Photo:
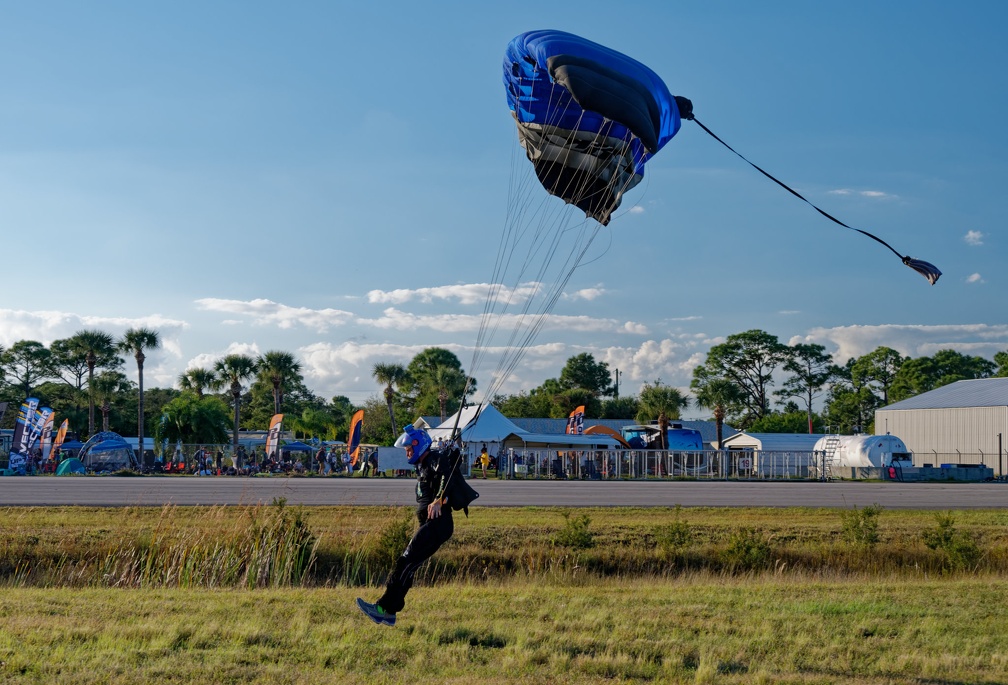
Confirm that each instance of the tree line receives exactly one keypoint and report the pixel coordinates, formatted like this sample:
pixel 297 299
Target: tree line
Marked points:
pixel 752 381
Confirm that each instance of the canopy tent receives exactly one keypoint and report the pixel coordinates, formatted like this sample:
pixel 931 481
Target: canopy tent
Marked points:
pixel 296 446
pixel 478 424
pixel 106 452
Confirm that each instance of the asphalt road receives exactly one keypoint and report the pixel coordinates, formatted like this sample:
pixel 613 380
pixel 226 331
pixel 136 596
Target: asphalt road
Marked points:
pixel 183 491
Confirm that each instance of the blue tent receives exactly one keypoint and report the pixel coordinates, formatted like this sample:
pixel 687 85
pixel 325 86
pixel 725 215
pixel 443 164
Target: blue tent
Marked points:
pixel 296 446
pixel 107 452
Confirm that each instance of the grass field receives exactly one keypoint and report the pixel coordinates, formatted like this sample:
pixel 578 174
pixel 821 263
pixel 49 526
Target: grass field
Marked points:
pixel 519 595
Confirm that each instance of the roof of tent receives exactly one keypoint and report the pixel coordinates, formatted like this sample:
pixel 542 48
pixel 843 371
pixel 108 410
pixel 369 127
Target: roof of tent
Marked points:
pixel 564 440
pixel 488 426
pixel 296 447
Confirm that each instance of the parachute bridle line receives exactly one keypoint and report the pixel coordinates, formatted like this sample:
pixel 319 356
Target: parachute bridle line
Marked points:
pixel 925 269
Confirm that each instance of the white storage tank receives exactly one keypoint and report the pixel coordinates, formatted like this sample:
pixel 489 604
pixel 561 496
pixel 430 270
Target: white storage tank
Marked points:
pixel 860 451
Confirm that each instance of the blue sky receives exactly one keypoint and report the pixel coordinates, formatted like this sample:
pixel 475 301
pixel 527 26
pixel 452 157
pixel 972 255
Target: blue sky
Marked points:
pixel 332 179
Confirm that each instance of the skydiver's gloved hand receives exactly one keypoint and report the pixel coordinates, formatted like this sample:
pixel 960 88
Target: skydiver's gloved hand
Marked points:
pixel 685 107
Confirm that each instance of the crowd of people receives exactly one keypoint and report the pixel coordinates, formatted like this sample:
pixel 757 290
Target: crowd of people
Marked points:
pixel 325 461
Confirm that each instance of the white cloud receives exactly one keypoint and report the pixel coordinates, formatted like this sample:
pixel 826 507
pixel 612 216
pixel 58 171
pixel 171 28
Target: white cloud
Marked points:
pixel 396 319
pixel 46 326
pixel 466 293
pixel 636 209
pixel 974 238
pixel 587 294
pixel 908 339
pixel 206 360
pixel 874 194
pixel 345 368
pixel 974 278
pixel 268 313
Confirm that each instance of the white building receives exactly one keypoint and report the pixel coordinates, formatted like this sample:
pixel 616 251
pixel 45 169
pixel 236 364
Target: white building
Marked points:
pixel 957 423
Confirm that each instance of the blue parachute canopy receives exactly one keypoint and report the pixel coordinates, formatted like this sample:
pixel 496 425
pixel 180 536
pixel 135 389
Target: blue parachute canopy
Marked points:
pixel 588 117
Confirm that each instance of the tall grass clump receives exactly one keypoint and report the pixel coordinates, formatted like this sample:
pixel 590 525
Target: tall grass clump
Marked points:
pixel 958 549
pixel 260 547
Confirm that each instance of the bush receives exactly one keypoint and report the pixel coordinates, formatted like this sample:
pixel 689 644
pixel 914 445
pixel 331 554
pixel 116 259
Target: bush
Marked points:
pixel 959 549
pixel 674 537
pixel 393 540
pixel 748 550
pixel 575 533
pixel 860 527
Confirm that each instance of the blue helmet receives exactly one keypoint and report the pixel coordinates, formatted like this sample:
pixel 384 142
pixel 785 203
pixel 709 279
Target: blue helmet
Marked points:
pixel 416 438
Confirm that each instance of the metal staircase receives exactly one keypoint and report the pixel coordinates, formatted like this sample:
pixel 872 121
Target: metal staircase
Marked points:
pixel 829 456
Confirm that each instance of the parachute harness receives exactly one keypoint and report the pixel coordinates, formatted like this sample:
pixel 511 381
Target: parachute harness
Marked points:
pixel 925 269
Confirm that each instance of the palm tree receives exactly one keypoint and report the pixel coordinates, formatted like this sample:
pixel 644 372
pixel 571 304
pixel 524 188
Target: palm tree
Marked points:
pixel 135 341
pixel 389 375
pixel 232 371
pixel 106 386
pixel 277 368
pixel 447 382
pixel 96 346
pixel 718 395
pixel 664 403
pixel 197 379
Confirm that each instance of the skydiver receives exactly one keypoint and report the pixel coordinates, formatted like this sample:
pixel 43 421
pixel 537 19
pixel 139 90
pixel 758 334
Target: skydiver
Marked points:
pixel 437 493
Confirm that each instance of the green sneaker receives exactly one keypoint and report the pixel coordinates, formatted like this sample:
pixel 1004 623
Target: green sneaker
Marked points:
pixel 376 613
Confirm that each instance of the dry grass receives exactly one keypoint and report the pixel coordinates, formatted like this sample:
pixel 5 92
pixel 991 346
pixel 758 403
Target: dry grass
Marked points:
pixel 256 546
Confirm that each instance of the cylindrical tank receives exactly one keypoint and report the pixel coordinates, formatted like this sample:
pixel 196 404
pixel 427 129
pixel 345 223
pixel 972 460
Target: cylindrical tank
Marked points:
pixel 873 451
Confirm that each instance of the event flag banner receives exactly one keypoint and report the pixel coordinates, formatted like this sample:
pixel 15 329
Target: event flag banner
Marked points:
pixel 22 426
pixel 354 436
pixel 38 425
pixel 575 422
pixel 273 436
pixel 60 436
pixel 46 440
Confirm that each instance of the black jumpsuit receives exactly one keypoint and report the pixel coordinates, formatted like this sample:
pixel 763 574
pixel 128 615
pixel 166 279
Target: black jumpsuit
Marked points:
pixel 432 474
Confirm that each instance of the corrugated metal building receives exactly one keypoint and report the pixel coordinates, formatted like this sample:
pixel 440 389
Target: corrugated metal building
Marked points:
pixel 956 423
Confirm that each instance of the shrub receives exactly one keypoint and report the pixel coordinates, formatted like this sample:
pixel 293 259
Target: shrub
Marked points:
pixel 393 540
pixel 860 527
pixel 674 537
pixel 747 550
pixel 575 533
pixel 959 549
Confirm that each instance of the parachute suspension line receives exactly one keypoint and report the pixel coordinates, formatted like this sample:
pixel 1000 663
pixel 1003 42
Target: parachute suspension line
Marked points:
pixel 925 269
pixel 533 237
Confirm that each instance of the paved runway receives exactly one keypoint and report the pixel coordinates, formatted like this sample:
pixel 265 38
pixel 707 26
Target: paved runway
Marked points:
pixel 156 491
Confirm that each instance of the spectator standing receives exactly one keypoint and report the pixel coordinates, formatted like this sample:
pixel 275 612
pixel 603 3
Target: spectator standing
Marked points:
pixel 484 460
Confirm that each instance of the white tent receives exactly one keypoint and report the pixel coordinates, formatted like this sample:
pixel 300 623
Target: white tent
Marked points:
pixel 489 426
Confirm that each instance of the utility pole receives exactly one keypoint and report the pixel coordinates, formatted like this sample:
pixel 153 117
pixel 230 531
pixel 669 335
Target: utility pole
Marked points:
pixel 616 392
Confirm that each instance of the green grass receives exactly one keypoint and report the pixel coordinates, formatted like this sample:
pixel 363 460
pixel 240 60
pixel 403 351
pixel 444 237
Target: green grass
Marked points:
pixel 536 595
pixel 700 629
